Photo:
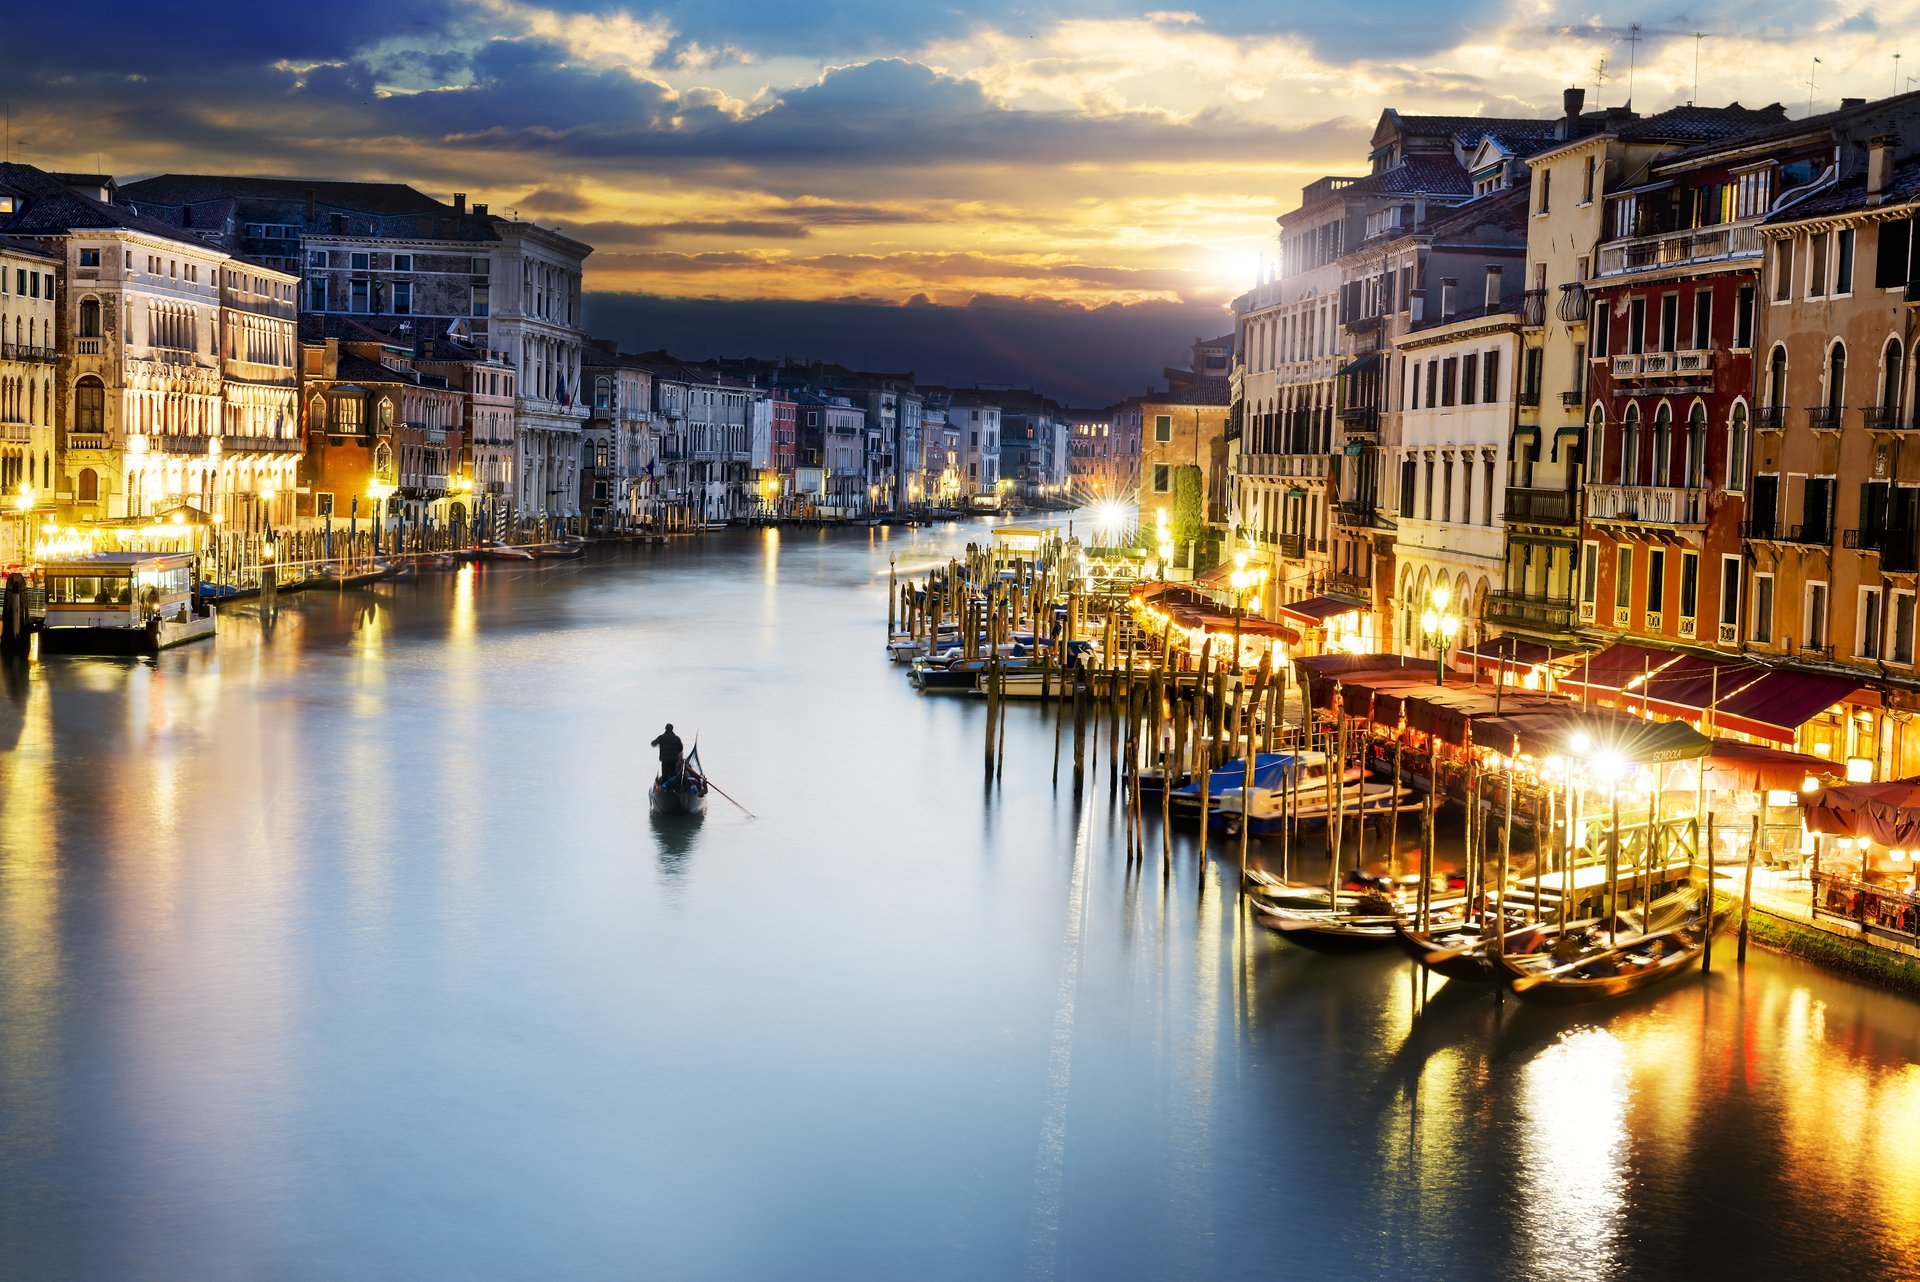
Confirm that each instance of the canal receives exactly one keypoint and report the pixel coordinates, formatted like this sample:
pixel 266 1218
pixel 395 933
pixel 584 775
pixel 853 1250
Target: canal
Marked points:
pixel 346 949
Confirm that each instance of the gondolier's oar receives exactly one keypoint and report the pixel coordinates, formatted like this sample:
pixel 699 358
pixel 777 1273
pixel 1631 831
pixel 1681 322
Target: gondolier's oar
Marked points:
pixel 716 787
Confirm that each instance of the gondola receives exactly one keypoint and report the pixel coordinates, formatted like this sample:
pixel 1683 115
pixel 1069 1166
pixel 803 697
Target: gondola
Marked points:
pixel 1368 924
pixel 1564 977
pixel 1458 949
pixel 684 794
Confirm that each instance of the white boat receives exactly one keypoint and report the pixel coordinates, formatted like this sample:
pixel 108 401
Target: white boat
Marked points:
pixel 120 603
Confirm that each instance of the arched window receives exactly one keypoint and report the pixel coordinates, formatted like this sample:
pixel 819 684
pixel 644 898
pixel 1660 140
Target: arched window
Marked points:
pixel 1596 445
pixel 1663 444
pixel 87 486
pixel 1696 459
pixel 1628 472
pixel 90 405
pixel 1892 375
pixel 1836 379
pixel 89 318
pixel 1737 442
pixel 1777 379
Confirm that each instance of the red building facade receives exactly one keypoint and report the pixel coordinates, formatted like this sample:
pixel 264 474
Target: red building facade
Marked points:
pixel 1669 423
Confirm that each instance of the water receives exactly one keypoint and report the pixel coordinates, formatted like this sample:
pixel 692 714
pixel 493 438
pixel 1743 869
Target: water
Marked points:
pixel 346 949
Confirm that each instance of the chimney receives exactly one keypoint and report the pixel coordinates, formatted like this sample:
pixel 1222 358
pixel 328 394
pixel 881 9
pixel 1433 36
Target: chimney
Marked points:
pixel 1571 102
pixel 1494 291
pixel 479 210
pixel 313 206
pixel 1848 104
pixel 1447 291
pixel 1880 149
pixel 459 204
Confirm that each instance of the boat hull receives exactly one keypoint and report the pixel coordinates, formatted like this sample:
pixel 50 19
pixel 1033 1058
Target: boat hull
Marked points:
pixel 676 801
pixel 1342 933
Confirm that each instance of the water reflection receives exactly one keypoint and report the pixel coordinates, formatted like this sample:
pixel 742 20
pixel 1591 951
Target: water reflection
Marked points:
pixel 673 840
pixel 1572 1174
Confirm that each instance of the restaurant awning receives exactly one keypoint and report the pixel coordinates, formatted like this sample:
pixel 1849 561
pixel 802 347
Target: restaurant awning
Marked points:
pixel 1780 702
pixel 1609 671
pixel 1316 610
pixel 1888 813
pixel 1734 766
pixel 1359 364
pixel 1515 654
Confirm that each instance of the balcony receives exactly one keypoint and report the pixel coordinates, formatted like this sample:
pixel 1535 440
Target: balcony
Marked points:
pixel 1770 418
pixel 1362 418
pixel 1772 532
pixel 180 444
pixel 1573 399
pixel 435 482
pixel 1356 512
pixel 1679 249
pixel 86 440
pixel 1572 307
pixel 1533 307
pixel 1299 465
pixel 87 346
pixel 16 433
pixel 1519 609
pixel 1899 549
pixel 1669 505
pixel 1662 364
pixel 1624 366
pixel 1884 418
pixel 1824 418
pixel 1542 507
pixel 1529 397
pixel 25 352
pixel 1355 585
pixel 234 444
pixel 1291 546
pixel 1364 324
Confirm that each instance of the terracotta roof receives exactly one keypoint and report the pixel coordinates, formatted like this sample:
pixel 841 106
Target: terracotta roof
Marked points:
pixel 1417 174
pixel 1204 391
pixel 1703 124
pixel 1847 197
pixel 48 206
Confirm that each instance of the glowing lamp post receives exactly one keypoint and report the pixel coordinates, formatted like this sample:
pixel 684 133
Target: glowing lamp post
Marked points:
pixel 378 493
pixel 1241 581
pixel 1440 626
pixel 23 504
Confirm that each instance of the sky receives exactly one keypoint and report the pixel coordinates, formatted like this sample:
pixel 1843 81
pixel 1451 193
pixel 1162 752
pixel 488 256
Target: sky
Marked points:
pixel 1058 194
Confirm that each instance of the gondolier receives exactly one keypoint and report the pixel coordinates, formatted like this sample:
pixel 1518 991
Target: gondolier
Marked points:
pixel 670 748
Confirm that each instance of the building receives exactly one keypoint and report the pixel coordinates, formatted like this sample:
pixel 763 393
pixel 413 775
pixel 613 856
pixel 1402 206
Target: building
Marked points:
pixel 27 370
pixel 978 422
pixel 414 267
pixel 783 442
pixel 384 438
pixel 1185 442
pixel 1568 187
pixel 142 410
pixel 1832 507
pixel 620 448
pixel 1457 411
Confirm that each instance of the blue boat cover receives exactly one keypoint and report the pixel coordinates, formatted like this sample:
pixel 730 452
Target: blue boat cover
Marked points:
pixel 1269 769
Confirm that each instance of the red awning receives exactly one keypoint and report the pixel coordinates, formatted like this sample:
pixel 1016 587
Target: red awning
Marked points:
pixel 1889 813
pixel 1733 766
pixel 1778 704
pixel 1690 684
pixel 1609 671
pixel 1316 610
pixel 1515 654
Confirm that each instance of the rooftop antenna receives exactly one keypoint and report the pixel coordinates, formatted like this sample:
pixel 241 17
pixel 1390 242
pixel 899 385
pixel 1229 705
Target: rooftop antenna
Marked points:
pixel 1633 57
pixel 1698 36
pixel 1599 78
pixel 1896 71
pixel 1812 72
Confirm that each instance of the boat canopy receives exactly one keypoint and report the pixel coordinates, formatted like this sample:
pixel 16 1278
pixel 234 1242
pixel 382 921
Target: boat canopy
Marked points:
pixel 1270 770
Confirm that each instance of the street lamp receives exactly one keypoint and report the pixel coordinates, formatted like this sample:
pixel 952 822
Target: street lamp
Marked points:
pixel 378 492
pixel 23 503
pixel 1440 626
pixel 1241 581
